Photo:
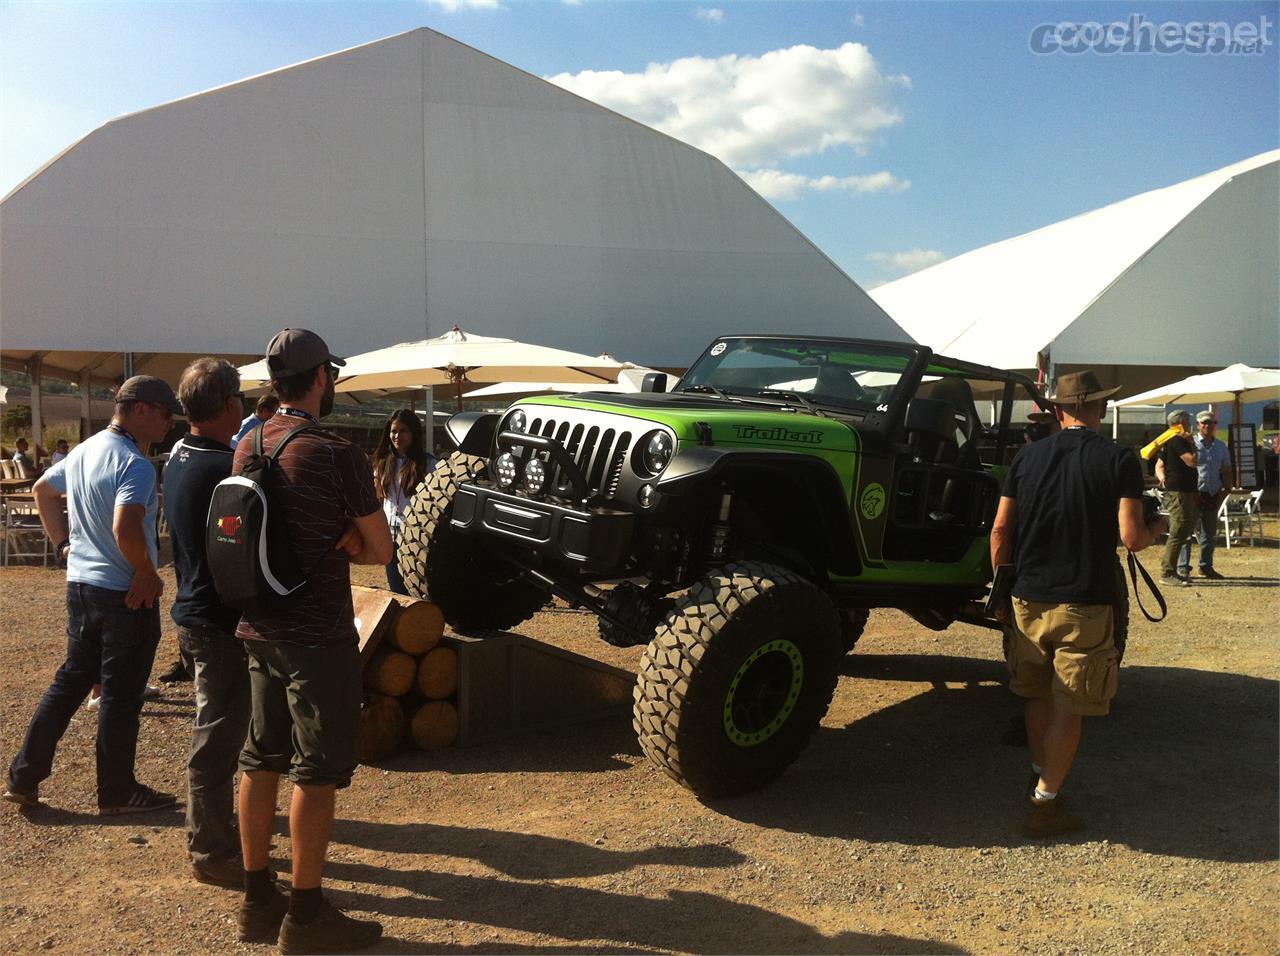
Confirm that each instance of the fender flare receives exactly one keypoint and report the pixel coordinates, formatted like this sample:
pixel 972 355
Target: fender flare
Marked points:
pixel 472 432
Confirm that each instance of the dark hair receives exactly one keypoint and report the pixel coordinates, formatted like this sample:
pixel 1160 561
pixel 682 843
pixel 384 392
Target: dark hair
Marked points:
pixel 384 456
pixel 291 388
pixel 267 403
pixel 206 385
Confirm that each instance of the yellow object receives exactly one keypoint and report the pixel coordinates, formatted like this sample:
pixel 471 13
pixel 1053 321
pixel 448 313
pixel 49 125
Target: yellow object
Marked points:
pixel 1149 451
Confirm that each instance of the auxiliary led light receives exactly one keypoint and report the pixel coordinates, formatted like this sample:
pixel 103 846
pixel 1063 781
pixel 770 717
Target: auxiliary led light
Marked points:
pixel 646 496
pixel 535 476
pixel 507 468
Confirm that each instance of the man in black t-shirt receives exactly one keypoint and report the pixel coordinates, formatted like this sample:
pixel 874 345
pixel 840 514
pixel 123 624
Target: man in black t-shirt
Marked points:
pixel 1177 473
pixel 210 394
pixel 1064 501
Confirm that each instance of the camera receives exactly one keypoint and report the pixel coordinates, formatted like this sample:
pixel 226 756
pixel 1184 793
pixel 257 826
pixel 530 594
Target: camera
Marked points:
pixel 1150 507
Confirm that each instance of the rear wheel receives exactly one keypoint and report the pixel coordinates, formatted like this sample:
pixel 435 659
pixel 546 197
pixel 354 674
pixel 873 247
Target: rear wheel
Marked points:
pixel 737 679
pixel 465 577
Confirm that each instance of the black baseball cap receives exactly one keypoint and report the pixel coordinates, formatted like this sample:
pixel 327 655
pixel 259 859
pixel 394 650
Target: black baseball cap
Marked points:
pixel 292 351
pixel 149 389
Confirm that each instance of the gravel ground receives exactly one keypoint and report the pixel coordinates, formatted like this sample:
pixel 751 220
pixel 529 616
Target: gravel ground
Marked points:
pixel 895 832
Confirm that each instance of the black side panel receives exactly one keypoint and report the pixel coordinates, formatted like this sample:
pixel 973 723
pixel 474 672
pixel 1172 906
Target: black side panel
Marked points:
pixel 785 474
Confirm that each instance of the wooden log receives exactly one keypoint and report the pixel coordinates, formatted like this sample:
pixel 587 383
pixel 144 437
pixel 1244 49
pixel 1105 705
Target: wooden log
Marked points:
pixel 390 672
pixel 418 627
pixel 438 674
pixel 435 725
pixel 382 728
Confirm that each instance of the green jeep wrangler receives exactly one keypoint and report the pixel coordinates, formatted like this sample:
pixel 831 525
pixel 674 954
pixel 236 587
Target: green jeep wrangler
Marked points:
pixel 741 526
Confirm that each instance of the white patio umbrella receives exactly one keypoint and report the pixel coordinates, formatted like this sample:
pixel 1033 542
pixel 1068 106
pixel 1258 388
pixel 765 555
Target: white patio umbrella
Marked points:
pixel 1238 384
pixel 458 358
pixel 1235 383
pixel 630 379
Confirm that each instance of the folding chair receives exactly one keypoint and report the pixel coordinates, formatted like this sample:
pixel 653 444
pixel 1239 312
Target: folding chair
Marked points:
pixel 1245 511
pixel 22 529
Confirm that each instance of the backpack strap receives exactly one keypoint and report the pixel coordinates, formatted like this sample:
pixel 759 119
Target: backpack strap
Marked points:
pixel 1134 567
pixel 288 437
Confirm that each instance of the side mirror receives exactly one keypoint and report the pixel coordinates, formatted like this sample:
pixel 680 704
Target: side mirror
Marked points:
pixel 654 382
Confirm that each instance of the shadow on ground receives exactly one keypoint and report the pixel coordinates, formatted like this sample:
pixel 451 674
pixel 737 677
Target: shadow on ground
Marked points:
pixel 1186 764
pixel 683 921
pixel 596 749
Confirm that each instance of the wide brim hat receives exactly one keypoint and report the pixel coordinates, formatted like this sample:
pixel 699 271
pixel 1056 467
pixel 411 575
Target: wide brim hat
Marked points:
pixel 1079 388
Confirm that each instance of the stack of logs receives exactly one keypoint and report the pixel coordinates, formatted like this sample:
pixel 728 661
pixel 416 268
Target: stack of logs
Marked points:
pixel 409 682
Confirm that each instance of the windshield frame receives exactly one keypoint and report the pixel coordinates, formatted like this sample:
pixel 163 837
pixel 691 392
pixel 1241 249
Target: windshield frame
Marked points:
pixel 913 358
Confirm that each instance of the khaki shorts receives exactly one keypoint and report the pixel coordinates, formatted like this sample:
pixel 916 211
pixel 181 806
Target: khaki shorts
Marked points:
pixel 1067 650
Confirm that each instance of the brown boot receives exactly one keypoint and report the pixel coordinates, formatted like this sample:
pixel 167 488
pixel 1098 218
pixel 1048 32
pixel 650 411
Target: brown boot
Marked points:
pixel 330 932
pixel 1048 819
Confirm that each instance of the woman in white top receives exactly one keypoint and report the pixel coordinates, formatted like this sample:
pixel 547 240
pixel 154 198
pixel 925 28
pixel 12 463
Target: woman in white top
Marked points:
pixel 400 462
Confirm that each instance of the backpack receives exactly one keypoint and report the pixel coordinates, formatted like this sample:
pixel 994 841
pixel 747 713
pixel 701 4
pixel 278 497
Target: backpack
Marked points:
pixel 247 544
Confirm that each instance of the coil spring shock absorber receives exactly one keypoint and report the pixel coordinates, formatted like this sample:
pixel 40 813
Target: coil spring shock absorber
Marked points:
pixel 720 530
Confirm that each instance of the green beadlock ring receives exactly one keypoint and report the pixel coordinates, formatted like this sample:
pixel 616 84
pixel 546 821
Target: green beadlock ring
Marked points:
pixel 743 739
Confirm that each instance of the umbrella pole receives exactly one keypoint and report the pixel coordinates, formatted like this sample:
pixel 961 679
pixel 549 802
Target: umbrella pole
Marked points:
pixel 1237 424
pixel 459 386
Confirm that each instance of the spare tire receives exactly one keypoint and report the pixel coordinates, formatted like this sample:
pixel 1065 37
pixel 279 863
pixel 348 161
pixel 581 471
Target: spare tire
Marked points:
pixel 465 576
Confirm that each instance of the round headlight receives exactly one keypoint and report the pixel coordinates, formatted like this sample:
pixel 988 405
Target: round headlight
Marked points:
pixel 657 452
pixel 507 468
pixel 535 476
pixel 516 421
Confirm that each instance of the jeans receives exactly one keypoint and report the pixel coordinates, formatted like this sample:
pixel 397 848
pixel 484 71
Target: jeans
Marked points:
pixel 105 642
pixel 1184 518
pixel 220 671
pixel 1206 533
pixel 395 580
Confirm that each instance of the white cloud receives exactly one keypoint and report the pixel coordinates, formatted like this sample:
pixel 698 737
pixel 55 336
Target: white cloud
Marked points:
pixel 572 3
pixel 858 21
pixel 779 185
pixel 755 111
pixel 454 6
pixel 709 14
pixel 912 260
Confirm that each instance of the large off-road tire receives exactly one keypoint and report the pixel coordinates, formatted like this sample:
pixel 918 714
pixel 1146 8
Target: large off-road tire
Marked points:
pixel 464 576
pixel 853 621
pixel 737 679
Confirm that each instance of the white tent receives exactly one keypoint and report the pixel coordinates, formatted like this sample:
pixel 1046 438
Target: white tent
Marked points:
pixel 1177 278
pixel 384 194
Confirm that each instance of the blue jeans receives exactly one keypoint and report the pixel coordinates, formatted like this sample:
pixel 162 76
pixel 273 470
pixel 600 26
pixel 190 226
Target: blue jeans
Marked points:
pixel 1206 532
pixel 220 671
pixel 107 643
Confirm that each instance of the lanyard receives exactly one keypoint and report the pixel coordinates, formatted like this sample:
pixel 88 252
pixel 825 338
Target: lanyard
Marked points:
pixel 122 431
pixel 296 413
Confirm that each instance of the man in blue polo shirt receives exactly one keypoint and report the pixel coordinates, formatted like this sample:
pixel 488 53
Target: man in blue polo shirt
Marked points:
pixel 1214 477
pixel 210 393
pixel 108 536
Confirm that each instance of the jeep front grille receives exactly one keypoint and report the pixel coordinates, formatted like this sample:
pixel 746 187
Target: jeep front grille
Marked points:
pixel 597 443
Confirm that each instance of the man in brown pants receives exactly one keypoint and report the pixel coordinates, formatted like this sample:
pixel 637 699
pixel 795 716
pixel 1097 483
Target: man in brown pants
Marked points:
pixel 1177 472
pixel 1063 503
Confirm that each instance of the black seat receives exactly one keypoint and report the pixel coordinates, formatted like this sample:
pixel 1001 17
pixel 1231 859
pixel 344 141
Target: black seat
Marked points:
pixel 960 395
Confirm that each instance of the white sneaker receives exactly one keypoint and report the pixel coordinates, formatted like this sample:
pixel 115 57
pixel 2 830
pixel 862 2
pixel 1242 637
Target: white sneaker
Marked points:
pixel 151 693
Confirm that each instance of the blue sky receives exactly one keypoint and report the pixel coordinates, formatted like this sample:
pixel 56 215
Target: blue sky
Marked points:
pixel 895 133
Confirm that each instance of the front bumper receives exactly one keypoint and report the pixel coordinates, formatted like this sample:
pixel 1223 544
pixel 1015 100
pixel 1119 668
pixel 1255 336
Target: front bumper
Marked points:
pixel 595 539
